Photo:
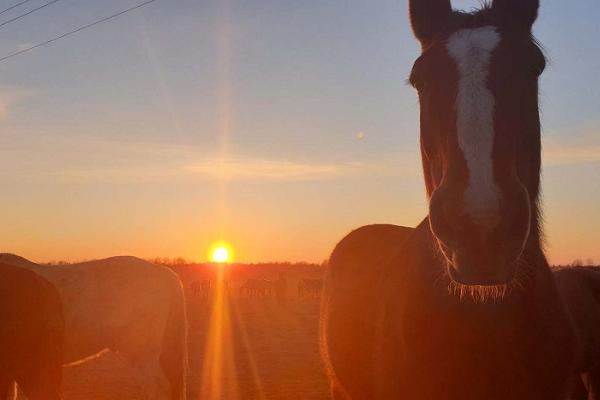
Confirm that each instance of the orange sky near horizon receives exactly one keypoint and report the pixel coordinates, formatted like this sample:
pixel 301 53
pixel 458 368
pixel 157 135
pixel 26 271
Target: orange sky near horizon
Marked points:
pixel 279 129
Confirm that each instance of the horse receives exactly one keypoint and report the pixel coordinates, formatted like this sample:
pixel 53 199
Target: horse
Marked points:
pixel 31 335
pixel 196 288
pixel 129 306
pixel 257 287
pixel 310 287
pixel 580 287
pixel 268 286
pixel 201 287
pixel 250 287
pixel 280 288
pixel 464 306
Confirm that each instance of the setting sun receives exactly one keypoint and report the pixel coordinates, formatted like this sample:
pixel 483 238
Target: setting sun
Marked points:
pixel 221 253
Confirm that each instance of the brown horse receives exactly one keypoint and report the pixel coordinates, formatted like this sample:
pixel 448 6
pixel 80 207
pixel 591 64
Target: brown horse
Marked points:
pixel 257 287
pixel 280 287
pixel 202 288
pixel 31 334
pixel 580 287
pixel 310 287
pixel 465 305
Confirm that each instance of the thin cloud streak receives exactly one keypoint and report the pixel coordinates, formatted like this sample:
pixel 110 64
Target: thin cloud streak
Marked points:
pixel 69 158
pixel 557 156
pixel 235 170
pixel 577 145
pixel 213 169
pixel 251 169
pixel 9 96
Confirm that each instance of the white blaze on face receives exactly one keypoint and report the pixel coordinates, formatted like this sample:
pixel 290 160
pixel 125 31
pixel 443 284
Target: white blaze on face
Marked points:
pixel 472 50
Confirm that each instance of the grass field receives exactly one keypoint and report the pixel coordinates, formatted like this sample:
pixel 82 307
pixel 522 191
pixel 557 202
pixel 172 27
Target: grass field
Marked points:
pixel 239 348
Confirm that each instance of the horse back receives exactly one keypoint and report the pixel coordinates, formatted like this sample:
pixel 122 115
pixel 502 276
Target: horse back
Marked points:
pixel 350 305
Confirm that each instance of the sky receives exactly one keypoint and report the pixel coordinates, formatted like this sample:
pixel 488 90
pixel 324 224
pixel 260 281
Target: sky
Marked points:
pixel 276 125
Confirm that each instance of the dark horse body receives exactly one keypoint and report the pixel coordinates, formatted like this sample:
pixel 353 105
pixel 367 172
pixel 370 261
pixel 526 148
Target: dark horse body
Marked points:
pixel 31 334
pixel 392 330
pixel 580 287
pixel 465 305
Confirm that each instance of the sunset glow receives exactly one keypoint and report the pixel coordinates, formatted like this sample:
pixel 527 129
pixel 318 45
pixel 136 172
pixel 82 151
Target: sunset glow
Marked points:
pixel 280 149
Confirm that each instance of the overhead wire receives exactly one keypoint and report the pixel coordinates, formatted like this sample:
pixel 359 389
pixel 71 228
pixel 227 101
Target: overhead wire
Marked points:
pixel 13 6
pixel 18 17
pixel 81 28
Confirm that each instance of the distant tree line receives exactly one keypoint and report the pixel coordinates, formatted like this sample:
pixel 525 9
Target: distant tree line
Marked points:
pixel 182 262
pixel 61 262
pixel 578 262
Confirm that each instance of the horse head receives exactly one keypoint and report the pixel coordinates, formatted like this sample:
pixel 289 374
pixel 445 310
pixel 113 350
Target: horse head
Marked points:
pixel 477 81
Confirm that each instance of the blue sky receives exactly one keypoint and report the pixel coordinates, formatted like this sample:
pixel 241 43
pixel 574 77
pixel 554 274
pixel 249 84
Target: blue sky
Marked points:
pixel 275 125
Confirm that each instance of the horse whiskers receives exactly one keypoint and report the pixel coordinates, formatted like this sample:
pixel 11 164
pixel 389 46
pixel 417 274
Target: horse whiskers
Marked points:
pixel 481 294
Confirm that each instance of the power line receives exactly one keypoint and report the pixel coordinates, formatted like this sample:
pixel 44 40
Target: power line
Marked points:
pixel 28 12
pixel 13 6
pixel 2 59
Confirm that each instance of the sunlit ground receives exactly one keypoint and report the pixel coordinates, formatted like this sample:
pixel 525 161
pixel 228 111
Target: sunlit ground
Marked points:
pixel 245 354
pixel 219 363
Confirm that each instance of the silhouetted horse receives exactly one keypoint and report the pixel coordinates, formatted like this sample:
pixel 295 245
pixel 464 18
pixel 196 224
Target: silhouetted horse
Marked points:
pixel 31 334
pixel 248 287
pixel 253 287
pixel 465 305
pixel 201 287
pixel 580 287
pixel 280 287
pixel 310 287
pixel 257 287
pixel 129 306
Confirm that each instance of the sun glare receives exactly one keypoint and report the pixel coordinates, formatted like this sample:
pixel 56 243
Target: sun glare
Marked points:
pixel 220 253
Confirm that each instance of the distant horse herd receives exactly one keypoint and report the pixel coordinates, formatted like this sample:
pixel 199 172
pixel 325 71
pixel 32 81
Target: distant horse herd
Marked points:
pixel 310 287
pixel 257 287
pixel 261 287
pixel 462 307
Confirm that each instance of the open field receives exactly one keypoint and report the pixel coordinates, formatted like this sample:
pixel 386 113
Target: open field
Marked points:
pixel 240 347
pixel 270 350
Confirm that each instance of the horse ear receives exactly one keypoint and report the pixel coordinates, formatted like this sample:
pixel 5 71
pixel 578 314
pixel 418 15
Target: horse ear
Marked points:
pixel 428 18
pixel 516 12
